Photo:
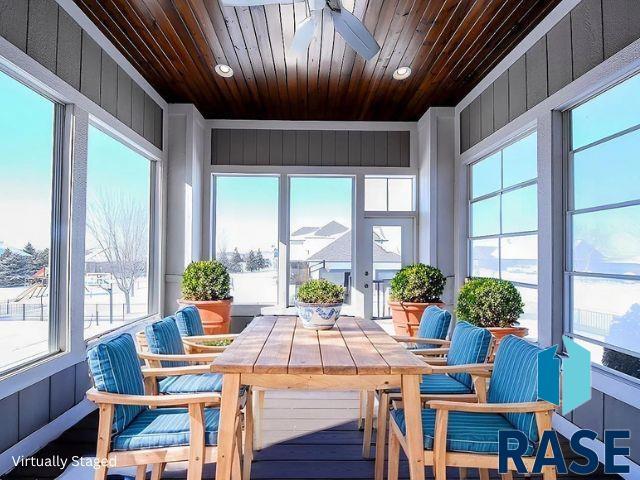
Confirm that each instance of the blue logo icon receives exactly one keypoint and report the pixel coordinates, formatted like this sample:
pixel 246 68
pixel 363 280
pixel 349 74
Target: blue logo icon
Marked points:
pixel 576 376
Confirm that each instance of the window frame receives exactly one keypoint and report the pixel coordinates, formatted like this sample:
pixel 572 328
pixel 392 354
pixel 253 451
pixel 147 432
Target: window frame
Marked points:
pixel 58 335
pixel 470 200
pixel 570 211
pixel 386 212
pixel 153 247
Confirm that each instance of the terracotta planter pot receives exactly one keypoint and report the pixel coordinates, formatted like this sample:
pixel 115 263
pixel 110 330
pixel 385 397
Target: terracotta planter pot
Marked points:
pixel 406 316
pixel 215 315
pixel 500 332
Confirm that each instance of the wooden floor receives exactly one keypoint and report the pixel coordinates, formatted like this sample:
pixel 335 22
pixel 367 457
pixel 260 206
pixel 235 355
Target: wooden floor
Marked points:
pixel 308 435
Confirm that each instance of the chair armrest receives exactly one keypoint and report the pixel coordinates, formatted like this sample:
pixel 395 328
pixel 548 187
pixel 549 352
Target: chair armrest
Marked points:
pixel 190 358
pixel 210 338
pixel 479 369
pixel 431 352
pixel 525 407
pixel 421 340
pixel 433 360
pixel 176 371
pixel 148 400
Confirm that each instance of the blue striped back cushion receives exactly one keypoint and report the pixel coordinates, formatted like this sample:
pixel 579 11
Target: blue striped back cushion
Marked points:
pixel 115 368
pixel 469 344
pixel 515 379
pixel 188 321
pixel 434 324
pixel 164 338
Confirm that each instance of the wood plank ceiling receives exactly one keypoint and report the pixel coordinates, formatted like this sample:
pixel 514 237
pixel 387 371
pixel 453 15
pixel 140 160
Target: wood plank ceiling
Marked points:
pixel 449 44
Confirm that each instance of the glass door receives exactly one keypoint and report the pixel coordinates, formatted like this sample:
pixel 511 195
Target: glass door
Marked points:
pixel 389 245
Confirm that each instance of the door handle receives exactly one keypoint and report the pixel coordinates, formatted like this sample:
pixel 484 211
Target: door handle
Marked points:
pixel 366 285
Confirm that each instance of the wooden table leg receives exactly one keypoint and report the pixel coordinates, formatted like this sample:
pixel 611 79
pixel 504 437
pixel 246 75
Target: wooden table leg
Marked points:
pixel 227 427
pixel 413 420
pixel 368 424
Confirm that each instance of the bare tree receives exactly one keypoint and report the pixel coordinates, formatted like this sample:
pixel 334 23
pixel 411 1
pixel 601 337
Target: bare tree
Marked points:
pixel 119 225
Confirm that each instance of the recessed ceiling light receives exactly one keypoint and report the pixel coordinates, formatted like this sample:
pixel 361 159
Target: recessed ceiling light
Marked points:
pixel 402 73
pixel 224 70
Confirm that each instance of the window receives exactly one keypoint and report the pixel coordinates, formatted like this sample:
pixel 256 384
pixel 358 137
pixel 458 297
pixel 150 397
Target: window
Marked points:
pixel 389 194
pixel 118 233
pixel 503 224
pixel 320 213
pixel 246 236
pixel 603 224
pixel 28 207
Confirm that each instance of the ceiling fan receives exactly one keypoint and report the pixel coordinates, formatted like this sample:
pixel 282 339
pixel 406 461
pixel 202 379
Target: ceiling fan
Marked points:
pixel 347 25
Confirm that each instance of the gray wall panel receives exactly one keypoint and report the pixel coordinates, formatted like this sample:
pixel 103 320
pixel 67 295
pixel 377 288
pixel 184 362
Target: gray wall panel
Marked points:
pixel 42 32
pixel 109 86
pixel 475 121
pixel 355 148
pixel 236 154
pixel 157 125
pixel 367 149
pixel 310 147
pixel 621 416
pixel 586 36
pixel 288 147
pixel 342 148
pixel 69 50
pixel 328 147
pixel 62 392
pixel 276 148
pixel 501 101
pixel 536 63
pixel 13 22
pixel 302 147
pixel 34 408
pixel 148 128
pixel 486 112
pixel 315 147
pixel 559 63
pixel 589 415
pixel 621 24
pixel 517 89
pixel 137 108
pixel 465 140
pixel 249 147
pixel 123 111
pixel 9 406
pixel 90 69
pixel 262 147
pixel 83 381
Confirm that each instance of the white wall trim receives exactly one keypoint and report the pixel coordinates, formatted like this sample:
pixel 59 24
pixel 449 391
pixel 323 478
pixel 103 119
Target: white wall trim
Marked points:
pixel 565 428
pixel 40 438
pixel 79 16
pixel 536 34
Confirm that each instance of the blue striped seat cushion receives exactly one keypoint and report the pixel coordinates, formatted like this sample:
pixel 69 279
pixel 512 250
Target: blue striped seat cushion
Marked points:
pixel 200 383
pixel 163 337
pixel 164 427
pixel 115 368
pixel 466 432
pixel 469 344
pixel 434 323
pixel 515 379
pixel 441 384
pixel 188 321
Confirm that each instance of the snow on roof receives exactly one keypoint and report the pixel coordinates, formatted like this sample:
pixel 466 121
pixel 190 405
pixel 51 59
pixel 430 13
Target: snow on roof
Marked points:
pixel 340 251
pixel 330 229
pixel 304 231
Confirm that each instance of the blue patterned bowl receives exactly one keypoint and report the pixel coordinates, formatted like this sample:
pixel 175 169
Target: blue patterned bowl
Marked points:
pixel 318 316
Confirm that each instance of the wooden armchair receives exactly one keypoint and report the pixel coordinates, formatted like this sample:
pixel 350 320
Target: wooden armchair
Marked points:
pixel 465 435
pixel 458 374
pixel 192 332
pixel 137 429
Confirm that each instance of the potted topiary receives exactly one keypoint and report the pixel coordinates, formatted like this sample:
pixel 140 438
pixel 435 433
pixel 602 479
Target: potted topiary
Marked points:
pixel 318 303
pixel 492 304
pixel 206 285
pixel 413 289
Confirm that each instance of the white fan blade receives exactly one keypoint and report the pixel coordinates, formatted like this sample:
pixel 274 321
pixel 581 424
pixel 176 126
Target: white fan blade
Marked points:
pixel 355 33
pixel 255 3
pixel 304 34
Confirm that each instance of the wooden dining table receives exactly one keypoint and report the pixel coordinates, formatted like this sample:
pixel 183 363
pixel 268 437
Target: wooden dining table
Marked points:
pixel 277 352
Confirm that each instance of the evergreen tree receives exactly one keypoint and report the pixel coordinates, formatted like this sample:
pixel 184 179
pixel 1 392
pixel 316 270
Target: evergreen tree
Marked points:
pixel 40 259
pixel 261 261
pixel 14 269
pixel 252 262
pixel 235 265
pixel 28 248
pixel 223 258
